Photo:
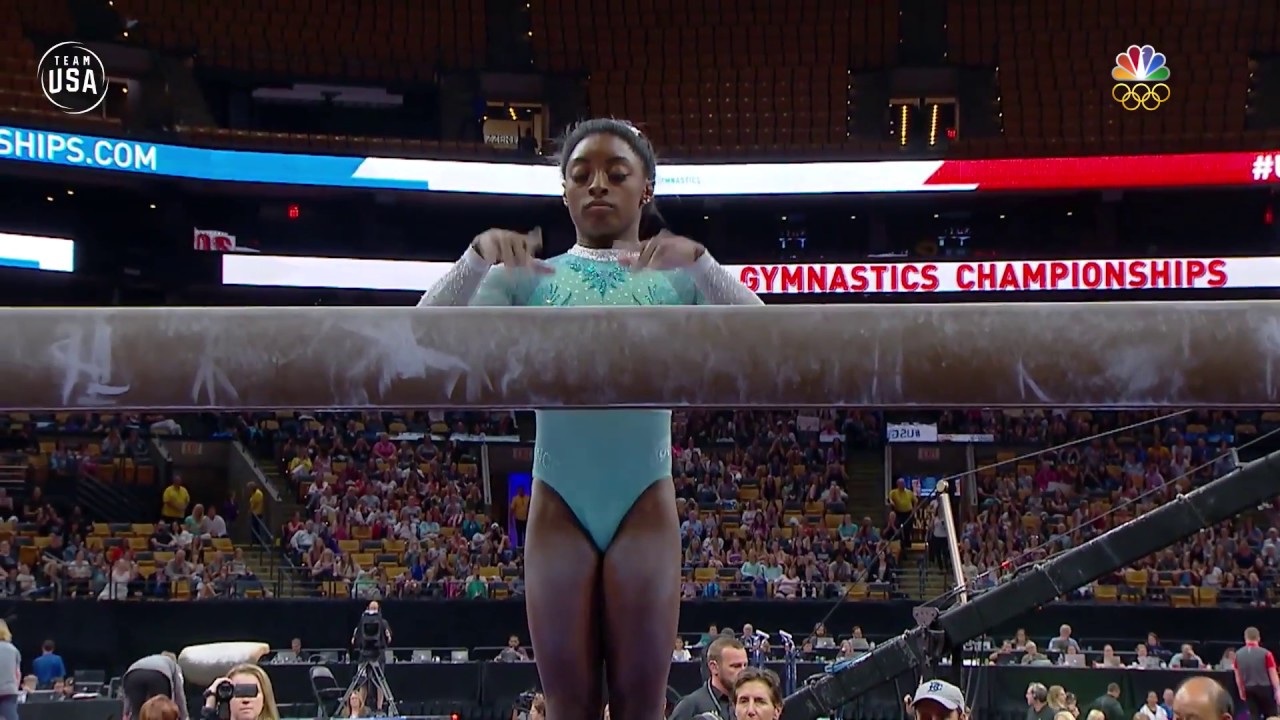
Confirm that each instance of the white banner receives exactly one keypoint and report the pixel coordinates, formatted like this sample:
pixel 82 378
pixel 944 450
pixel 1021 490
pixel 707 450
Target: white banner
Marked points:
pixel 921 277
pixel 912 433
pixel 927 433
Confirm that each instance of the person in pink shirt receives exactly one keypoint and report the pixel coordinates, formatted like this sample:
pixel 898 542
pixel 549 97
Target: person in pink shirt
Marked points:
pixel 384 448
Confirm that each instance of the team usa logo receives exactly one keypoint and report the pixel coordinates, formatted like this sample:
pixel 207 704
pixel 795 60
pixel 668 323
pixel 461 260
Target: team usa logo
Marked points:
pixel 73 78
pixel 1140 73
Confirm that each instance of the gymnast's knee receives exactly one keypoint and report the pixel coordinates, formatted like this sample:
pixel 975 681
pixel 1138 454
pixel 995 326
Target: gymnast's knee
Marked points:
pixel 583 704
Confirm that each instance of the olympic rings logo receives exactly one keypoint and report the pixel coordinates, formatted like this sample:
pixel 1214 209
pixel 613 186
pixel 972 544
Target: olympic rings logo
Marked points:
pixel 1134 96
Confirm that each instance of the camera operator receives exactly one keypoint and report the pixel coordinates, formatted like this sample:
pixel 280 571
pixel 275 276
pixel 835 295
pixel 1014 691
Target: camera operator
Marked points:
pixel 364 639
pixel 370 641
pixel 149 677
pixel 244 694
pixel 725 658
pixel 530 706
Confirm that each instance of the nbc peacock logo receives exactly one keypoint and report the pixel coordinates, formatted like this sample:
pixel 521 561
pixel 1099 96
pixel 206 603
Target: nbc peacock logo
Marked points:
pixel 1140 73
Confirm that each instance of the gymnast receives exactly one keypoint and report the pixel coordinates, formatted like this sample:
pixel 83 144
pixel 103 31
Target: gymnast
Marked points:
pixel 602 556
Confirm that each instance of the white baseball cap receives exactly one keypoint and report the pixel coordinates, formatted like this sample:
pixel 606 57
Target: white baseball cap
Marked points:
pixel 940 691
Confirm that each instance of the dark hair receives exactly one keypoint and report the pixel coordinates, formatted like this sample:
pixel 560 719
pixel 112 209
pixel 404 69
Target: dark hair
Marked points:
pixel 651 221
pixel 760 675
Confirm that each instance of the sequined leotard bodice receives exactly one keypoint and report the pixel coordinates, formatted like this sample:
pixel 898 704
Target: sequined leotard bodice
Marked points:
pixel 599 461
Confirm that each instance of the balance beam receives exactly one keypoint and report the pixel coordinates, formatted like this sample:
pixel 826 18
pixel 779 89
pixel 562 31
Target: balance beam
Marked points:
pixel 1098 355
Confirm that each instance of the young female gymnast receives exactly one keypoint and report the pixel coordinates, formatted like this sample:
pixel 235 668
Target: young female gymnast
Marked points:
pixel 602 557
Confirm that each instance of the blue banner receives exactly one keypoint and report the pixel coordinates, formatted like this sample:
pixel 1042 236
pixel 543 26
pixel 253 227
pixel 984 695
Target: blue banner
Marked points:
pixel 113 154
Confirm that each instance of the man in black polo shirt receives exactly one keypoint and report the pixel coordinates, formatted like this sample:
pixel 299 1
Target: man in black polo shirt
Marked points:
pixel 725 658
pixel 1109 703
pixel 1255 671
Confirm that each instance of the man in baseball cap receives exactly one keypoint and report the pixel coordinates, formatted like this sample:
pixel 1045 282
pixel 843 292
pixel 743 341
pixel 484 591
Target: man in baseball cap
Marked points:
pixel 937 700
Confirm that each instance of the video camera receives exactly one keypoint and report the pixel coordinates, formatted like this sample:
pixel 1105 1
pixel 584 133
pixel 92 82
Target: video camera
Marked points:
pixel 523 708
pixel 226 690
pixel 370 635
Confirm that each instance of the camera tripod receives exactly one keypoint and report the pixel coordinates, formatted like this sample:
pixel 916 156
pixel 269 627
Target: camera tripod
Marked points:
pixel 369 674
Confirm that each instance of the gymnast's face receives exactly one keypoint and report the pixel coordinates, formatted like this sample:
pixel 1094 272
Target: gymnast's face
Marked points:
pixel 605 188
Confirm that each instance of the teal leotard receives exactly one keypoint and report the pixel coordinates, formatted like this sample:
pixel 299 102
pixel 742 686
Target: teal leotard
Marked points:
pixel 598 461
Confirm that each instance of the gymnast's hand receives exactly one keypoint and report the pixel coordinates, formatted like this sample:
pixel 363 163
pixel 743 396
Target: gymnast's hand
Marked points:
pixel 512 249
pixel 665 251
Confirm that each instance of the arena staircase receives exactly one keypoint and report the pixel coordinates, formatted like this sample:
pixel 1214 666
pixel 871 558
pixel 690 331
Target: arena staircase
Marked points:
pixel 267 563
pixel 107 503
pixel 262 564
pixel 919 582
pixel 866 485
pixel 13 478
pixel 271 471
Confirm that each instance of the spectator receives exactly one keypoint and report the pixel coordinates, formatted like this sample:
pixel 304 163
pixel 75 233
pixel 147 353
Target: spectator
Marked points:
pixel 1151 710
pixel 513 652
pixel 1063 642
pixel 1228 661
pixel 1109 658
pixel 1186 659
pixel 902 501
pixel 10 670
pixel 520 513
pixel 1033 656
pixel 175 500
pixel 1057 700
pixel 1202 698
pixel 48 665
pixel 1038 703
pixel 680 653
pixel 257 500
pixel 1142 659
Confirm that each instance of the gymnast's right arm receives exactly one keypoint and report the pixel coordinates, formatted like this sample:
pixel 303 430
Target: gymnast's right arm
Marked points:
pixel 474 279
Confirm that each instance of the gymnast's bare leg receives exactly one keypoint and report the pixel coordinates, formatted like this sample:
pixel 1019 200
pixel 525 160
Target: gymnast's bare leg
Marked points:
pixel 641 580
pixel 562 599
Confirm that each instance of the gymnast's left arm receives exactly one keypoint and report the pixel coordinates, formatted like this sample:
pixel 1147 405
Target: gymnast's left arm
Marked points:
pixel 717 286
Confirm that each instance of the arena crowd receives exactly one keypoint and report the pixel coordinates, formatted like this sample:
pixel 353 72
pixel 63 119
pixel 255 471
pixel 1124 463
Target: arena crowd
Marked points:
pixel 393 506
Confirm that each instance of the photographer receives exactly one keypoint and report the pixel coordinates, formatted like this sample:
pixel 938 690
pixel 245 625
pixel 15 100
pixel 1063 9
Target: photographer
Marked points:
pixel 725 658
pixel 244 694
pixel 149 677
